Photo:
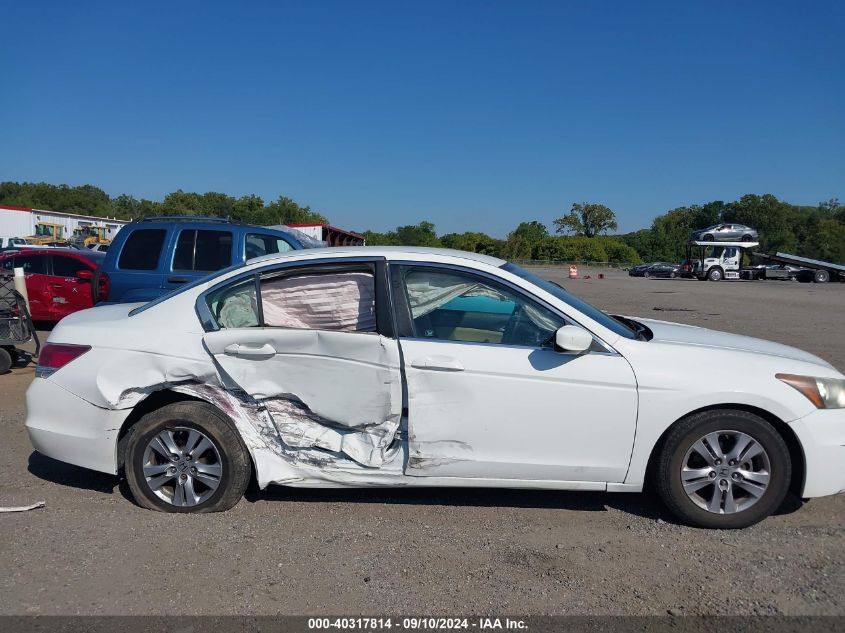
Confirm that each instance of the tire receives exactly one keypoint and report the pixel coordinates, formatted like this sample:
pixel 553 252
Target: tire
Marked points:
pixel 5 360
pixel 708 238
pixel 746 238
pixel 217 477
pixel 821 277
pixel 672 275
pixel 646 274
pixel 714 274
pixel 752 502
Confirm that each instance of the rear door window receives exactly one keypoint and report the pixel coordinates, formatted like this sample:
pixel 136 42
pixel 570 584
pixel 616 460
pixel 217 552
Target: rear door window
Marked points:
pixel 258 244
pixel 204 251
pixel 142 250
pixel 340 300
pixel 67 266
pixel 343 301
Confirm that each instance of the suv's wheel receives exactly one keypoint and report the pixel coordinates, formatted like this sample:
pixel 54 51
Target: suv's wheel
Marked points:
pixel 714 274
pixel 186 457
pixel 723 469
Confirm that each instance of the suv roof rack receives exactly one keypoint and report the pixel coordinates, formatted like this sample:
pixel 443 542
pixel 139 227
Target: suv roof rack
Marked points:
pixel 188 218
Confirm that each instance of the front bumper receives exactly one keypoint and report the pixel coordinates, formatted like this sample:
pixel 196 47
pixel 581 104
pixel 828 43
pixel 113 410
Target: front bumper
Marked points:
pixel 67 428
pixel 822 437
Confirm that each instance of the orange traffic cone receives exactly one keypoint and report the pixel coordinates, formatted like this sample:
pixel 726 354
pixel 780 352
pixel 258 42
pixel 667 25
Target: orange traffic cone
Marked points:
pixel 573 271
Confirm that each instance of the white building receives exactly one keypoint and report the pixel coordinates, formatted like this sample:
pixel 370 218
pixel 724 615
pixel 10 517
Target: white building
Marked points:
pixel 21 221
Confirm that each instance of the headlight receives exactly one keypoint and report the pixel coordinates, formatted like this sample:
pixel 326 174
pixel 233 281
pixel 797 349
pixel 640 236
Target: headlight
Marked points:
pixel 825 393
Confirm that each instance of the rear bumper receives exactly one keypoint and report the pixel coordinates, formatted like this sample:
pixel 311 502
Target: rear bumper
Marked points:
pixel 67 428
pixel 822 437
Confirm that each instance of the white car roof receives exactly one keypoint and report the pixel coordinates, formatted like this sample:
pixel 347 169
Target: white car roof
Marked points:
pixel 389 252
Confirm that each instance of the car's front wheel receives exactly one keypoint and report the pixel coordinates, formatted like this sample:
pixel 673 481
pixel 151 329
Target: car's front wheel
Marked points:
pixel 186 457
pixel 723 469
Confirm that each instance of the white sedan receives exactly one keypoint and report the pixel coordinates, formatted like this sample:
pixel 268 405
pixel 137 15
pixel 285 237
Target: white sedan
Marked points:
pixel 418 367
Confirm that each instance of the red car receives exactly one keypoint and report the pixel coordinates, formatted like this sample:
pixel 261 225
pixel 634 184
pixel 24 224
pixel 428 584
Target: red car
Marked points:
pixel 59 281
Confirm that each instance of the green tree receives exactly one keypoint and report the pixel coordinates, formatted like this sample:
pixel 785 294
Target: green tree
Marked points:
pixel 421 234
pixel 473 242
pixel 587 219
pixel 375 238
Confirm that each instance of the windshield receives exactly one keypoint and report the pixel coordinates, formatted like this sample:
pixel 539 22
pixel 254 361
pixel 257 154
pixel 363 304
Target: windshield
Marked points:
pixel 582 306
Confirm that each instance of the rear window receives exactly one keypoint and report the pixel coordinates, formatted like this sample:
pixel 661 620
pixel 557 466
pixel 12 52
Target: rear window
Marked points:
pixel 204 251
pixel 142 250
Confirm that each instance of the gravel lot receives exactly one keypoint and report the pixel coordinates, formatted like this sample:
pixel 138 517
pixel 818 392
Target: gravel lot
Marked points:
pixel 285 551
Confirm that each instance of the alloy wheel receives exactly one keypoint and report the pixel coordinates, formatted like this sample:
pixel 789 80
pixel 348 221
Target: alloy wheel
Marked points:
pixel 182 466
pixel 725 472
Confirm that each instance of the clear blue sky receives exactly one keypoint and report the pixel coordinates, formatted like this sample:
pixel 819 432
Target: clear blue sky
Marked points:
pixel 469 114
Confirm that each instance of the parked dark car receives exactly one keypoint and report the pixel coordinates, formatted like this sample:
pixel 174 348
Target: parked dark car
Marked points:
pixel 655 269
pixel 725 232
pixel 59 281
pixel 153 256
pixel 663 269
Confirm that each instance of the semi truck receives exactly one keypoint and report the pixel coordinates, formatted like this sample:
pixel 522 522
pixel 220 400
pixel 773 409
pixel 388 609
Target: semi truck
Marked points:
pixel 715 261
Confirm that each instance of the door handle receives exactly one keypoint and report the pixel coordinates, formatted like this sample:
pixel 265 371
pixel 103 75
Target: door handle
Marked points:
pixel 246 351
pixel 437 363
pixel 176 280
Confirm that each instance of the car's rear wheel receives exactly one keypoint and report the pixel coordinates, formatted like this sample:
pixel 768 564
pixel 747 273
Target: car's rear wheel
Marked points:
pixel 186 457
pixel 746 238
pixel 646 274
pixel 723 469
pixel 708 238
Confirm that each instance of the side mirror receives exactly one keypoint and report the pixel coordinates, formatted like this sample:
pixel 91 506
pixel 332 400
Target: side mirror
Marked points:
pixel 571 338
pixel 85 275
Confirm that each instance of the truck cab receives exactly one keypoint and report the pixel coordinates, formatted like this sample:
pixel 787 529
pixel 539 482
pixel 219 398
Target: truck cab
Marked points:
pixel 714 261
pixel 46 233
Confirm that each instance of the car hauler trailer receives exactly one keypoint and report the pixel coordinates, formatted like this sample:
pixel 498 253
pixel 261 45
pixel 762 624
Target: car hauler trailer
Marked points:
pixel 813 270
pixel 714 261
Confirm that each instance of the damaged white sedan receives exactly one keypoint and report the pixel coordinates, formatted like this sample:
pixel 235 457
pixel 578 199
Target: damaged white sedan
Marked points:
pixel 419 367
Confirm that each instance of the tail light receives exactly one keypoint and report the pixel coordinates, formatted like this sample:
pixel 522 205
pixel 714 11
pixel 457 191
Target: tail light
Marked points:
pixel 54 356
pixel 103 287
